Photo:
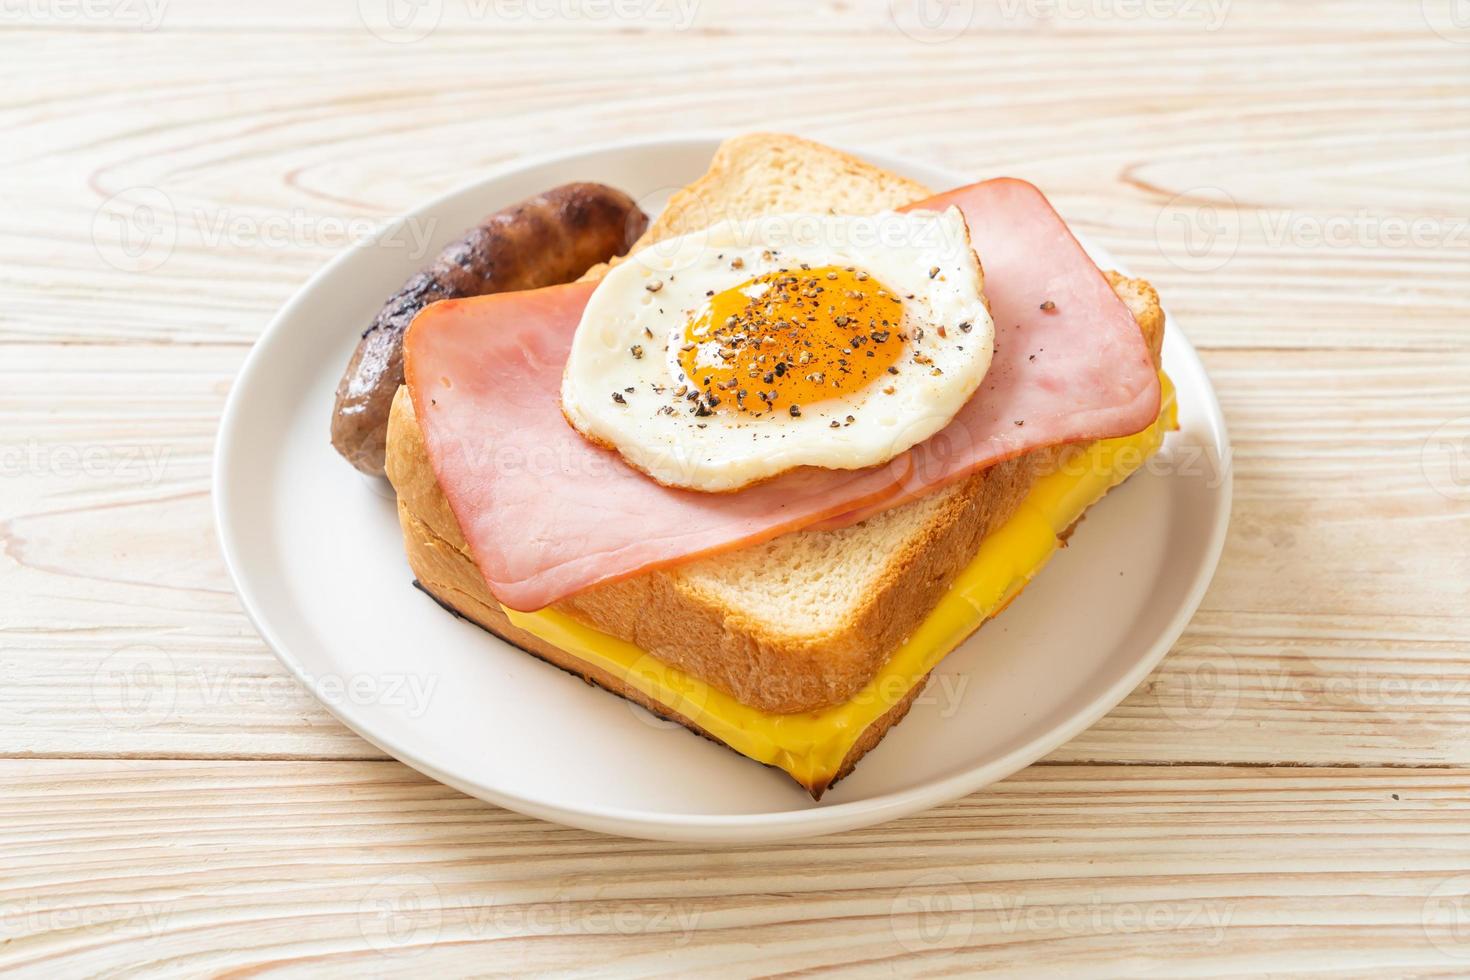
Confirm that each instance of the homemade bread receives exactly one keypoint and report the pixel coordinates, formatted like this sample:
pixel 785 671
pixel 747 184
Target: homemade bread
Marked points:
pixel 771 173
pixel 794 624
pixel 800 622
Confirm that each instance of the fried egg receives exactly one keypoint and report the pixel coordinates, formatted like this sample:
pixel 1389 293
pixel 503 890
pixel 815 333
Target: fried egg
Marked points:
pixel 727 356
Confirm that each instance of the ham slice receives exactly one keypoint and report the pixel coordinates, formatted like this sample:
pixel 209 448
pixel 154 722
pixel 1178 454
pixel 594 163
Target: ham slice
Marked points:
pixel 1070 363
pixel 547 514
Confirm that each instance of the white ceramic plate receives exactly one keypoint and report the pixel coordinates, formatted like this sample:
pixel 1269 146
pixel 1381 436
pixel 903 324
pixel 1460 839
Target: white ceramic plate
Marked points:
pixel 315 552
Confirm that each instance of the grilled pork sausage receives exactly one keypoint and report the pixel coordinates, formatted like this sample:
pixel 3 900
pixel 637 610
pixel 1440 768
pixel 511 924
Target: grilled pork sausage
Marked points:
pixel 551 238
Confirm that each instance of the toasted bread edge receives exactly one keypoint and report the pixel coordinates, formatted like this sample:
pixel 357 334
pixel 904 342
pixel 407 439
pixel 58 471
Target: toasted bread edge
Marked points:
pixel 443 572
pixel 670 613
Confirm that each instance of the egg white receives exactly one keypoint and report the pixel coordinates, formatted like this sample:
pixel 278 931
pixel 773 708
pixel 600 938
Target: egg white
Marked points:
pixel 629 337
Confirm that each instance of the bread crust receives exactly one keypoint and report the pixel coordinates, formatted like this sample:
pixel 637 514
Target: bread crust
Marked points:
pixel 762 173
pixel 673 619
pixel 446 574
pixel 671 616
pixel 674 614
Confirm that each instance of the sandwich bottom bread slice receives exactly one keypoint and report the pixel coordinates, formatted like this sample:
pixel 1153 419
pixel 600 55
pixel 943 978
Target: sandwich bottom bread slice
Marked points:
pixel 803 651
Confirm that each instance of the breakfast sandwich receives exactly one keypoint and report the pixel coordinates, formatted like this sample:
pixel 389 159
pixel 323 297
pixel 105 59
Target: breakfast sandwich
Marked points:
pixel 761 474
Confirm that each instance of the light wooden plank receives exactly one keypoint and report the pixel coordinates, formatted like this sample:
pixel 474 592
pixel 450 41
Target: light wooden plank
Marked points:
pixel 752 19
pixel 1282 190
pixel 185 868
pixel 1213 161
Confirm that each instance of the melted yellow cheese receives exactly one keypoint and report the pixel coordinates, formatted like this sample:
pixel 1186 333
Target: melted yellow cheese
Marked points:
pixel 811 746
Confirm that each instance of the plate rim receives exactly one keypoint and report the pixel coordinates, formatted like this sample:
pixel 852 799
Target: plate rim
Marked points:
pixel 686 827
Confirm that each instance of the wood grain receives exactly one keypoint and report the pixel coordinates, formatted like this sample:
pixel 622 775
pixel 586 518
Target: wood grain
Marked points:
pixel 1157 140
pixel 1292 175
pixel 367 867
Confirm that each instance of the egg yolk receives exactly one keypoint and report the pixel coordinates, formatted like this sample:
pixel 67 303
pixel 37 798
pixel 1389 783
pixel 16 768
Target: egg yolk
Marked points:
pixel 792 338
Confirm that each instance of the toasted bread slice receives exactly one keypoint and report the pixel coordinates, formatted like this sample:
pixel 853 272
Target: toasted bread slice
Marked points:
pixel 771 173
pixel 804 621
pixel 926 543
pixel 795 624
pixel 443 570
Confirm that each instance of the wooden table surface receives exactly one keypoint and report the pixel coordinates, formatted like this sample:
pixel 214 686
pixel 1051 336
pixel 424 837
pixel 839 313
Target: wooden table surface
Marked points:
pixel 1290 790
